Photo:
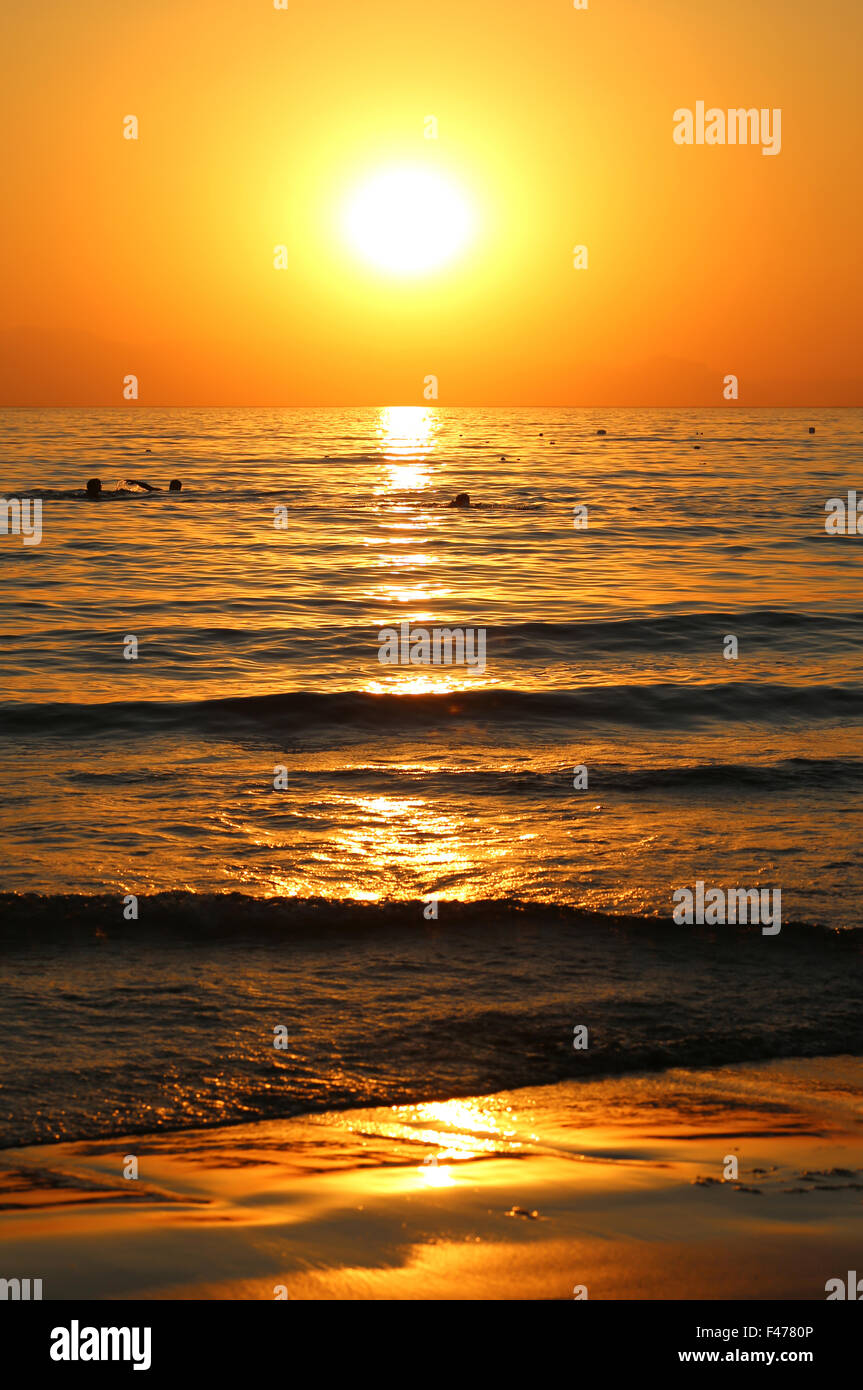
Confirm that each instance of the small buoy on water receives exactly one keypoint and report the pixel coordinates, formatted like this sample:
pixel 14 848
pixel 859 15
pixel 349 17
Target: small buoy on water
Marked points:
pixel 811 429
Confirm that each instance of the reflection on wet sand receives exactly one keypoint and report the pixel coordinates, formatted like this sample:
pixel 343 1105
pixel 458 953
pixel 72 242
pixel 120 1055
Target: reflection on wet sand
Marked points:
pixel 425 1201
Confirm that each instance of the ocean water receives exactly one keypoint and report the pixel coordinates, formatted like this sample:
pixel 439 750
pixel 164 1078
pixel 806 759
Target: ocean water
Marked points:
pixel 258 649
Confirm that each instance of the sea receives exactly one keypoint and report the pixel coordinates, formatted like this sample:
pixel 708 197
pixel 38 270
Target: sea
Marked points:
pixel 255 861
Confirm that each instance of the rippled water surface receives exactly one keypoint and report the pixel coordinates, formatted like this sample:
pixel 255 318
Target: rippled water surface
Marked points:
pixel 257 597
pixel 280 802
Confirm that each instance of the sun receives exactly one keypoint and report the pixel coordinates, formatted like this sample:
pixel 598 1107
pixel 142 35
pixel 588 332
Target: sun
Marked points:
pixel 408 221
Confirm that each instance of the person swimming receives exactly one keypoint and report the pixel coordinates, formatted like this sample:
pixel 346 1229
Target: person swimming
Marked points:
pixel 94 487
pixel 462 500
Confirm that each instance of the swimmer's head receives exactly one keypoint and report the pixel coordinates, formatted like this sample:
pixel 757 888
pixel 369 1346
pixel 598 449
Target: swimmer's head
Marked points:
pixel 94 487
pixel 174 485
pixel 462 500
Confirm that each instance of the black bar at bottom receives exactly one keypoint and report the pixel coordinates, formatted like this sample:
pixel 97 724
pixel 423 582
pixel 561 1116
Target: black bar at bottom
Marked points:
pixel 257 1340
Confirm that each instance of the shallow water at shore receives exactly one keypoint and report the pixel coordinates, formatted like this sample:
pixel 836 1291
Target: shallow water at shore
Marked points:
pixel 169 1022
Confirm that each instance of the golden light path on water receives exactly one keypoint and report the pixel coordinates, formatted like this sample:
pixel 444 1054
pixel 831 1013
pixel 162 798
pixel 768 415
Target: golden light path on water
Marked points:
pixel 408 441
pixel 408 436
pixel 409 830
pixel 458 1130
pixel 426 840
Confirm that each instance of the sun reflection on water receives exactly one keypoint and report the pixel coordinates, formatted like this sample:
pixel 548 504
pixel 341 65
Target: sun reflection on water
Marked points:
pixel 407 434
pixel 435 1174
pixel 453 1132
pixel 459 1130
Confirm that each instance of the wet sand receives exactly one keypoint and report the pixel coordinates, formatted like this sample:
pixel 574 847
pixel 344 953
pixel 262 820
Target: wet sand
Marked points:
pixel 615 1185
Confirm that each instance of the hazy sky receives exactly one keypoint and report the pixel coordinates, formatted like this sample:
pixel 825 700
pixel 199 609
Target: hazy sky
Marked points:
pixel 555 126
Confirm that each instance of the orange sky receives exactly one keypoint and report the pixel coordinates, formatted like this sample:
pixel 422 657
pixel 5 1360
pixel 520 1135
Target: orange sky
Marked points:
pixel 155 256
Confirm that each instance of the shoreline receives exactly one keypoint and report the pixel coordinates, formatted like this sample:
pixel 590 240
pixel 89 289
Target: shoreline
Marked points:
pixel 614 1185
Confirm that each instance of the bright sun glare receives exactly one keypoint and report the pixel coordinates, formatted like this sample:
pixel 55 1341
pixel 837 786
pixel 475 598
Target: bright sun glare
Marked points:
pixel 408 221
